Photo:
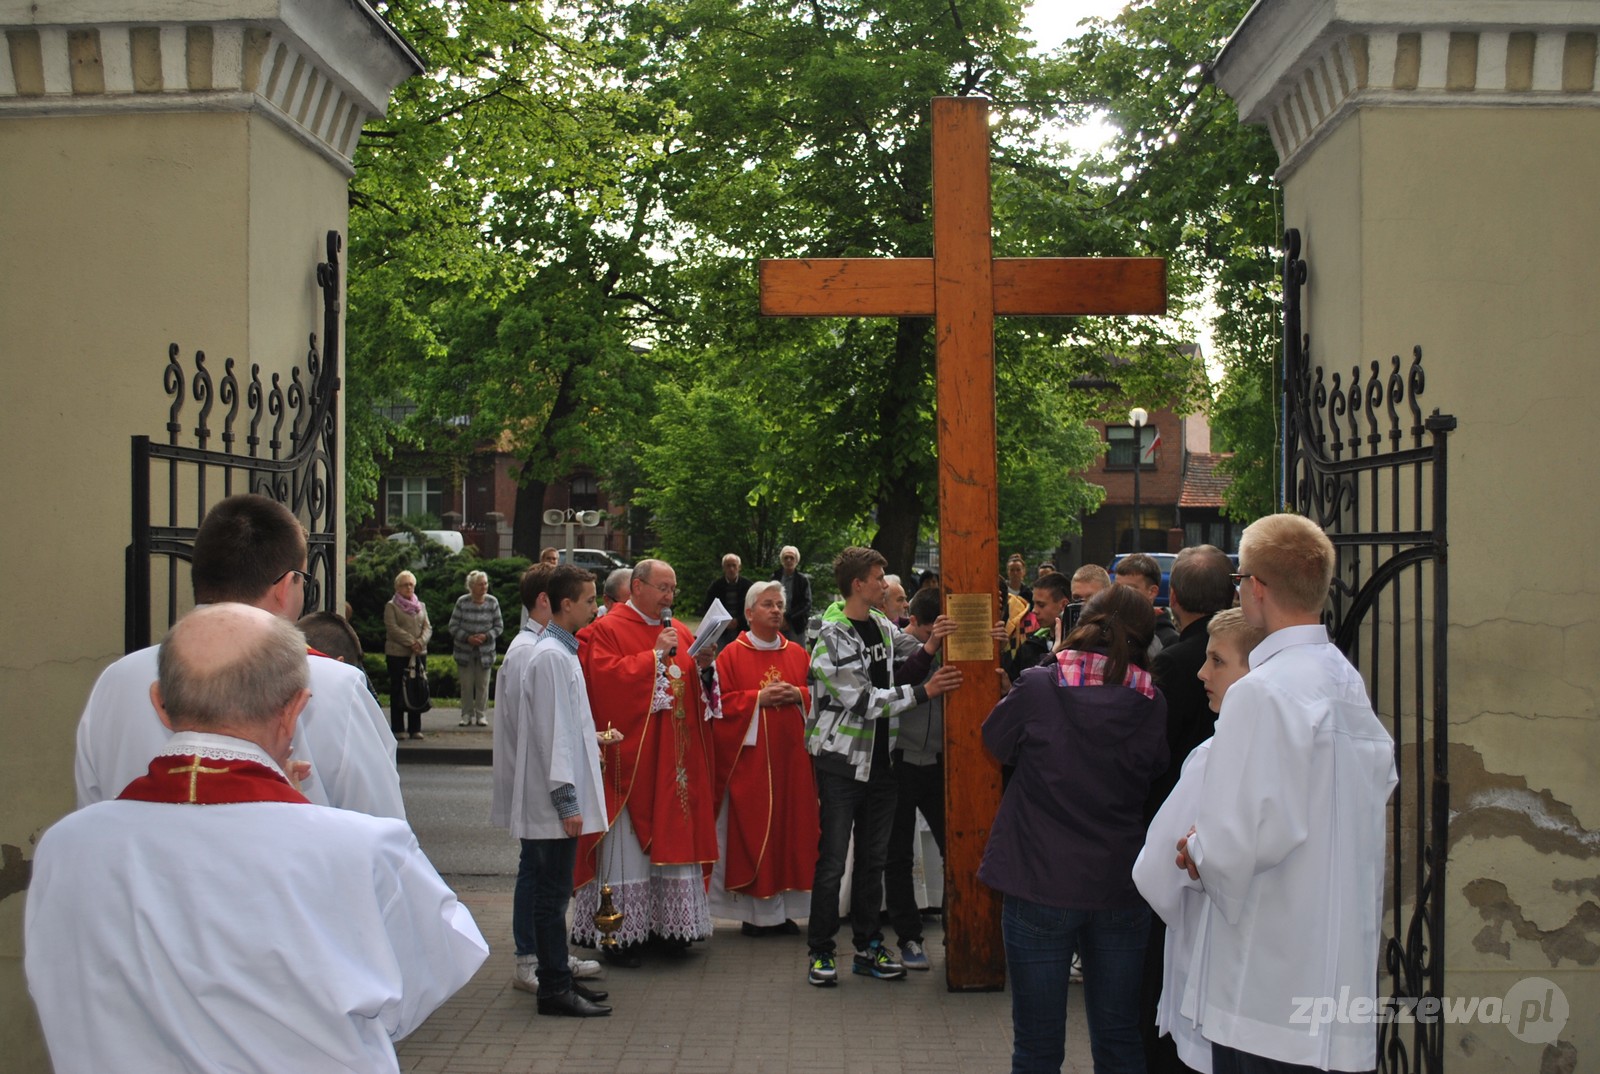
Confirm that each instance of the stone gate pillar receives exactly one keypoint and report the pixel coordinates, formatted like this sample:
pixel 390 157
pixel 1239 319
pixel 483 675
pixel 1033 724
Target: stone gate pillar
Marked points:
pixel 168 172
pixel 1441 159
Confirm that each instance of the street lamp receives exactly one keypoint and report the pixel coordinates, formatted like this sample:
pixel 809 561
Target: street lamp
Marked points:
pixel 1137 417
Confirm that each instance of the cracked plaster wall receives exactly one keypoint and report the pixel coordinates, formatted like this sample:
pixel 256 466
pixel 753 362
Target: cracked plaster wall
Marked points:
pixel 1473 233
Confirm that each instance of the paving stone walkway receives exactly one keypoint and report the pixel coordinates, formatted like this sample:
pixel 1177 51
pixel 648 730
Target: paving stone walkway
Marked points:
pixel 733 1004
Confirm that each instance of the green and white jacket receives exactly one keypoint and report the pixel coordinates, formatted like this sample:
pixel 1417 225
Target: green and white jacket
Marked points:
pixel 844 703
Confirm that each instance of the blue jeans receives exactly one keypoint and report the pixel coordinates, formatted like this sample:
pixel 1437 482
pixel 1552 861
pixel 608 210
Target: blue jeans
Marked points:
pixel 539 908
pixel 1039 943
pixel 868 809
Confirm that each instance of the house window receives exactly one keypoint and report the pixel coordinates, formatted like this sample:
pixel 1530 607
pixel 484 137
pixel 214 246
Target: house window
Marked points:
pixel 1120 454
pixel 585 494
pixel 414 497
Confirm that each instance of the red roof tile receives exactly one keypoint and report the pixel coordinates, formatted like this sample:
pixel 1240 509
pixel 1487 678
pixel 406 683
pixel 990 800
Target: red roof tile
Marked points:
pixel 1204 484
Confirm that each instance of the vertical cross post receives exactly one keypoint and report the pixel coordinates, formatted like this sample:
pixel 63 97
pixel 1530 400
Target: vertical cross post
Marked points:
pixel 963 286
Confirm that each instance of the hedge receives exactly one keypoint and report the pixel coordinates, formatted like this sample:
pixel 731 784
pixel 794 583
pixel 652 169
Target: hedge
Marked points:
pixel 441 578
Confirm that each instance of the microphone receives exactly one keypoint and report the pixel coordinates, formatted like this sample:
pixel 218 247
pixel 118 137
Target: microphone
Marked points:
pixel 666 624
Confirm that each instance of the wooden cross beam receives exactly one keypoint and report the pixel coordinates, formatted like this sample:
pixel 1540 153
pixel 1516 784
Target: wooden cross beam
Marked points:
pixel 963 286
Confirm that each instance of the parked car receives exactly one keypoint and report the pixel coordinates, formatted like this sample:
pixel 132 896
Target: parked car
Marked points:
pixel 451 539
pixel 1164 559
pixel 597 561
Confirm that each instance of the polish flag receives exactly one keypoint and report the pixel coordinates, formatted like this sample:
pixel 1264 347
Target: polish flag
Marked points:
pixel 1149 453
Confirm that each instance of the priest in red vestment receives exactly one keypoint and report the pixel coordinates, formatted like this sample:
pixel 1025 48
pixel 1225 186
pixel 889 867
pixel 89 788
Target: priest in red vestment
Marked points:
pixel 643 682
pixel 762 779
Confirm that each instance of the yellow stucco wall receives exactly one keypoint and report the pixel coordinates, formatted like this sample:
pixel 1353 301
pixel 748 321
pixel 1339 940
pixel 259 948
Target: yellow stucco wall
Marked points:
pixel 1475 232
pixel 121 235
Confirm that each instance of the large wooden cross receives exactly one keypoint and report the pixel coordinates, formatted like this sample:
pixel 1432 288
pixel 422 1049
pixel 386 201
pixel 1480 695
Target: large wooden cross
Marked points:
pixel 963 286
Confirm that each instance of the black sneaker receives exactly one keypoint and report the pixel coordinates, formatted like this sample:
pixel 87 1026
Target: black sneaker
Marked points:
pixel 823 973
pixel 876 961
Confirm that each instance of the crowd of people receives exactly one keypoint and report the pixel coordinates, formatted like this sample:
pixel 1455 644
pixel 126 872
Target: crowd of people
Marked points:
pixel 1191 793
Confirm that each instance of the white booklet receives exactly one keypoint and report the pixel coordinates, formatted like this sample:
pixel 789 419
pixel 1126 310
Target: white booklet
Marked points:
pixel 711 627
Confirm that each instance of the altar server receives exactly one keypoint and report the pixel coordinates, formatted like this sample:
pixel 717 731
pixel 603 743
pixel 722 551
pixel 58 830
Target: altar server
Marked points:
pixel 259 933
pixel 252 550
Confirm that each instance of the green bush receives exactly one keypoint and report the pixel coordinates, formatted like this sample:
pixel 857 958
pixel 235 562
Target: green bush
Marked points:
pixel 441 578
pixel 444 678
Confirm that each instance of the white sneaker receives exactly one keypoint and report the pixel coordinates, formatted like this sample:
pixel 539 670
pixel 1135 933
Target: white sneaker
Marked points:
pixel 1075 973
pixel 523 978
pixel 528 966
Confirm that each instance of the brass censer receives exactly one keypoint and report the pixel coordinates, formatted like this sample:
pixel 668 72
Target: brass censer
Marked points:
pixel 607 918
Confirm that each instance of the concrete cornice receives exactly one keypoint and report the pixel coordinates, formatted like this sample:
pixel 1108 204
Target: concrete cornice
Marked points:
pixel 320 68
pixel 1299 66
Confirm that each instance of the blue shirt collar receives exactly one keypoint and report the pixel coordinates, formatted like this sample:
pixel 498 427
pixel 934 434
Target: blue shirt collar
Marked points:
pixel 553 631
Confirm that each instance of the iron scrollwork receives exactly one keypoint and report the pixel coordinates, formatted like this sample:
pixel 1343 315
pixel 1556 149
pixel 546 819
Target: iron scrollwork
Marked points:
pixel 1382 501
pixel 302 479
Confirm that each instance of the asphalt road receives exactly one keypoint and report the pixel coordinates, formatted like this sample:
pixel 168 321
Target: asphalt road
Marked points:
pixel 448 807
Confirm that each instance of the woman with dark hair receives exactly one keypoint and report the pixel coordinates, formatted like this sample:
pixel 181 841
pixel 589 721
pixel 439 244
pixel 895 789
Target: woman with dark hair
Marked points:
pixel 1087 736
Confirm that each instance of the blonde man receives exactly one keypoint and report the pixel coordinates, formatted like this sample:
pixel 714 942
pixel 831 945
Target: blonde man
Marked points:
pixel 1287 836
pixel 1088 580
pixel 1177 900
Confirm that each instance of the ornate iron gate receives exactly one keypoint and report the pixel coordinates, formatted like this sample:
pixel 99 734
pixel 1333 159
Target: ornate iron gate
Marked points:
pixel 294 464
pixel 1383 503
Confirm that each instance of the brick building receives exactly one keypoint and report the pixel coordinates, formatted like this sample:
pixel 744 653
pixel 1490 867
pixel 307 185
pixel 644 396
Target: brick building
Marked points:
pixel 481 501
pixel 1180 490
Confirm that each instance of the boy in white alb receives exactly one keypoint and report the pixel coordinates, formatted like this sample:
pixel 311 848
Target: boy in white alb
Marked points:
pixel 1177 899
pixel 1288 837
pixel 252 550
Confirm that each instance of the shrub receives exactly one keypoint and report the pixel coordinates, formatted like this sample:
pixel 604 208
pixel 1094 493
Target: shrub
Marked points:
pixel 441 578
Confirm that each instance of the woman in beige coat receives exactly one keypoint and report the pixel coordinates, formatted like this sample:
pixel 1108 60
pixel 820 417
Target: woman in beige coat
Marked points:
pixel 406 634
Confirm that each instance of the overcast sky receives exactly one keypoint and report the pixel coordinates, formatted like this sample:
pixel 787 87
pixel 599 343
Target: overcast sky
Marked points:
pixel 1053 21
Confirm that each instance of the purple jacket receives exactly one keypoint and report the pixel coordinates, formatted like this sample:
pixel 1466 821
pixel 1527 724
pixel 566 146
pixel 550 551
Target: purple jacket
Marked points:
pixel 1072 820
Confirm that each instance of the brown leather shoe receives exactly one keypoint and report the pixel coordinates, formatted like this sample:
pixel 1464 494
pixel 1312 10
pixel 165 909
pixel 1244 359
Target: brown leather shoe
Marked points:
pixel 571 1005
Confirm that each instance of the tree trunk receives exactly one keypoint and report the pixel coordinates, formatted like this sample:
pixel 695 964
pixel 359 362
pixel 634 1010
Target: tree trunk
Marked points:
pixel 527 524
pixel 901 503
pixel 899 519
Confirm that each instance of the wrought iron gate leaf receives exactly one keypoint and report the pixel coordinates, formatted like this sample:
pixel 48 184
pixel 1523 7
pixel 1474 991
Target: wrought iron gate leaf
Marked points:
pixel 1347 467
pixel 303 480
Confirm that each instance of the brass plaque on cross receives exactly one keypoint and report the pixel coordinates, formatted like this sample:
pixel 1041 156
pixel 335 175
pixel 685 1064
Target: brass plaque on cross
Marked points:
pixel 974 615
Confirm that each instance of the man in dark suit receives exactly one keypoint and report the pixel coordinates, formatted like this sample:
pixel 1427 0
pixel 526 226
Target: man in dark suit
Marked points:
pixel 1200 586
pixel 796 593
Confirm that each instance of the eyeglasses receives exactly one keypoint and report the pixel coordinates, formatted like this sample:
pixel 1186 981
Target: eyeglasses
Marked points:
pixel 664 590
pixel 305 579
pixel 1240 577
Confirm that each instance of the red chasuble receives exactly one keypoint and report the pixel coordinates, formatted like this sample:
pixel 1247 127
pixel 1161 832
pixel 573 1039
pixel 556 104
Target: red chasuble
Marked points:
pixel 662 769
pixel 193 779
pixel 772 794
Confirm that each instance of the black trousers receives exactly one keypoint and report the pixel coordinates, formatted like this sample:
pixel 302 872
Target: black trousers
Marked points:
pixel 401 720
pixel 919 787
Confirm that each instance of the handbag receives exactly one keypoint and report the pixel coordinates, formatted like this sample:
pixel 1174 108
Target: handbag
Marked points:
pixel 414 693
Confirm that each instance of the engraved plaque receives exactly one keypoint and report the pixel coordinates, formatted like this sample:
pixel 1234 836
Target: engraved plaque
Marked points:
pixel 974 615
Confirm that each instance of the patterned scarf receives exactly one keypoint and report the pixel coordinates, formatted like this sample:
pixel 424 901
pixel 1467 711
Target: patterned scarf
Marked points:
pixel 1081 667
